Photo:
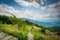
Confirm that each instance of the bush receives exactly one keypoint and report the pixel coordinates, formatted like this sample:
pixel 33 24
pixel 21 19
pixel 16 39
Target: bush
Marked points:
pixel 21 36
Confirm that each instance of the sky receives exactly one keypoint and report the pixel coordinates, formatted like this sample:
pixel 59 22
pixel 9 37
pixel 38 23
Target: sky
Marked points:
pixel 39 10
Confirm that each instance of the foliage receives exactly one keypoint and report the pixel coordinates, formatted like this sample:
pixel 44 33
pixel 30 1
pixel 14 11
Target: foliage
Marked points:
pixel 8 25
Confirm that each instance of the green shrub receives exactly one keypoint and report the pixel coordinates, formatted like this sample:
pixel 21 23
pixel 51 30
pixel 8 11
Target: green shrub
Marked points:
pixel 21 36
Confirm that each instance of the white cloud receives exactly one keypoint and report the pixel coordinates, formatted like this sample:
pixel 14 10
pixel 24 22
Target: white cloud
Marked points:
pixel 8 10
pixel 52 11
pixel 31 14
pixel 26 3
pixel 4 9
pixel 55 9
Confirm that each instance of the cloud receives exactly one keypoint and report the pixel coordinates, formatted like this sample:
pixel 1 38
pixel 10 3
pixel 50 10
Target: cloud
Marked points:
pixel 27 3
pixel 45 12
pixel 54 9
pixel 8 10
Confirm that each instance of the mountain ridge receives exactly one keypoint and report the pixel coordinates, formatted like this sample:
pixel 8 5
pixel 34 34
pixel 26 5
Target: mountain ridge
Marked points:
pixel 46 24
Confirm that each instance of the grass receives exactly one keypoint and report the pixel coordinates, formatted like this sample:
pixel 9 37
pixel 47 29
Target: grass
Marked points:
pixel 22 32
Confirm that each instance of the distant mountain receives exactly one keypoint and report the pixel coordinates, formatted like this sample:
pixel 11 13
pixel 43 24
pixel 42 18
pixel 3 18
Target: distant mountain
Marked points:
pixel 46 24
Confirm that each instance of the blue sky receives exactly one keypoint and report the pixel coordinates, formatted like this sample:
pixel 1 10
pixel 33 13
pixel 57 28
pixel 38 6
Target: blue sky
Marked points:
pixel 41 10
pixel 11 3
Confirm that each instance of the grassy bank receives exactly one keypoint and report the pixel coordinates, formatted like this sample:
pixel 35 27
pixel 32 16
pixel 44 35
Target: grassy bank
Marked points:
pixel 20 28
